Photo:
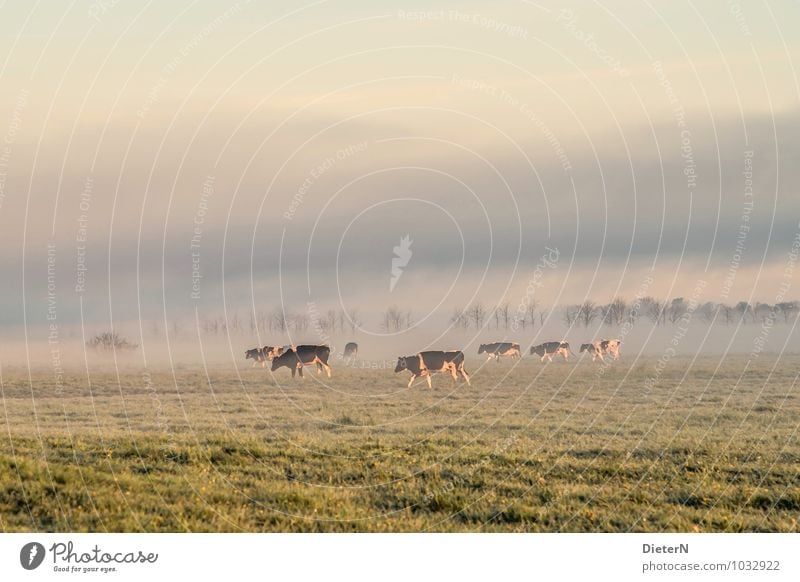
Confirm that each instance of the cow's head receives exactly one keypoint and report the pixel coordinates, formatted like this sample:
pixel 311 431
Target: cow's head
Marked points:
pixel 537 350
pixel 282 360
pixel 482 348
pixel 402 364
pixel 254 354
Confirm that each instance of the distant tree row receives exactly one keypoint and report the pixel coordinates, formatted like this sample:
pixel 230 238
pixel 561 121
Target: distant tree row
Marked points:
pixel 660 312
pixel 499 316
pixel 502 316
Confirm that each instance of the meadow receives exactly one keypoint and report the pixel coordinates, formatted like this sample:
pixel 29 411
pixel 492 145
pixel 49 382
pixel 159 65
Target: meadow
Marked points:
pixel 710 444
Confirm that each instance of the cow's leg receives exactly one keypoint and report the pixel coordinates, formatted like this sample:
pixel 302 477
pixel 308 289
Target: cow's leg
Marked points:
pixel 300 371
pixel 327 368
pixel 410 382
pixel 428 378
pixel 466 377
pixel 294 371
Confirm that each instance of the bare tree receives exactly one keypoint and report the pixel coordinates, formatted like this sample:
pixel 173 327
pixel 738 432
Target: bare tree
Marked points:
pixel 654 309
pixel 787 309
pixel 743 309
pixel 394 319
pixel 764 311
pixel 587 311
pixel 459 319
pixel 571 314
pixel 278 320
pixel 504 314
pixel 727 313
pixel 234 323
pixel 614 312
pixel 355 321
pixel 477 313
pixel 677 309
pixel 708 311
pixel 110 340
pixel 530 311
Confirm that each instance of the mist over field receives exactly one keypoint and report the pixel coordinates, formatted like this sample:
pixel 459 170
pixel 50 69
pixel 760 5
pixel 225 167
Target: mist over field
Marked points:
pixel 181 182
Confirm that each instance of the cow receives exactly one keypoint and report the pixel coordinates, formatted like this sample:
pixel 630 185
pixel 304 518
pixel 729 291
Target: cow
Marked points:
pixel 258 355
pixel 594 349
pixel 272 352
pixel 295 359
pixel 423 364
pixel 549 349
pixel 351 350
pixel 610 348
pixel 498 349
pixel 602 348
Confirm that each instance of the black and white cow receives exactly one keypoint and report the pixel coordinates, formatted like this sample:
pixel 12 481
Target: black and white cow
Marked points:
pixel 258 355
pixel 351 350
pixel 550 349
pixel 498 349
pixel 295 359
pixel 423 364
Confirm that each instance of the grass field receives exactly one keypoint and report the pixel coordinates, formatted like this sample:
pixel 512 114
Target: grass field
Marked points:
pixel 563 447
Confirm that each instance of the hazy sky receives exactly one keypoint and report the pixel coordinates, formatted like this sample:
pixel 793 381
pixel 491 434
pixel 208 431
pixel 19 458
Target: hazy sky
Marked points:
pixel 281 150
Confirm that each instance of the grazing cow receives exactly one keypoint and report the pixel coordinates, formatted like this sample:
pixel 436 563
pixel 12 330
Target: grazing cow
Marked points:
pixel 258 355
pixel 498 349
pixel 295 359
pixel 351 350
pixel 550 349
pixel 424 364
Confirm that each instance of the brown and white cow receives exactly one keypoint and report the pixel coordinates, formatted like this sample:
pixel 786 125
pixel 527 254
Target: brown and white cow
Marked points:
pixel 423 364
pixel 600 349
pixel 272 352
pixel 549 349
pixel 497 349
pixel 295 359
pixel 610 348
pixel 594 349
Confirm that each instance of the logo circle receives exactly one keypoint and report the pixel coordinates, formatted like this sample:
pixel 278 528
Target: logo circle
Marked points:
pixel 31 555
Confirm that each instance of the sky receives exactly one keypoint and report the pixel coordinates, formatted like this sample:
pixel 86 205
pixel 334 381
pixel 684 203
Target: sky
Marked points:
pixel 163 159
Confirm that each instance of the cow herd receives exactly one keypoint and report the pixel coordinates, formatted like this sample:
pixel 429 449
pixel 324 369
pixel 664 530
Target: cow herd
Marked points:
pixel 423 364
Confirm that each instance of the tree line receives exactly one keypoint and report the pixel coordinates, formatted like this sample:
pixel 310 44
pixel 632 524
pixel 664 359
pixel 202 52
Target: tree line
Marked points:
pixel 478 315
